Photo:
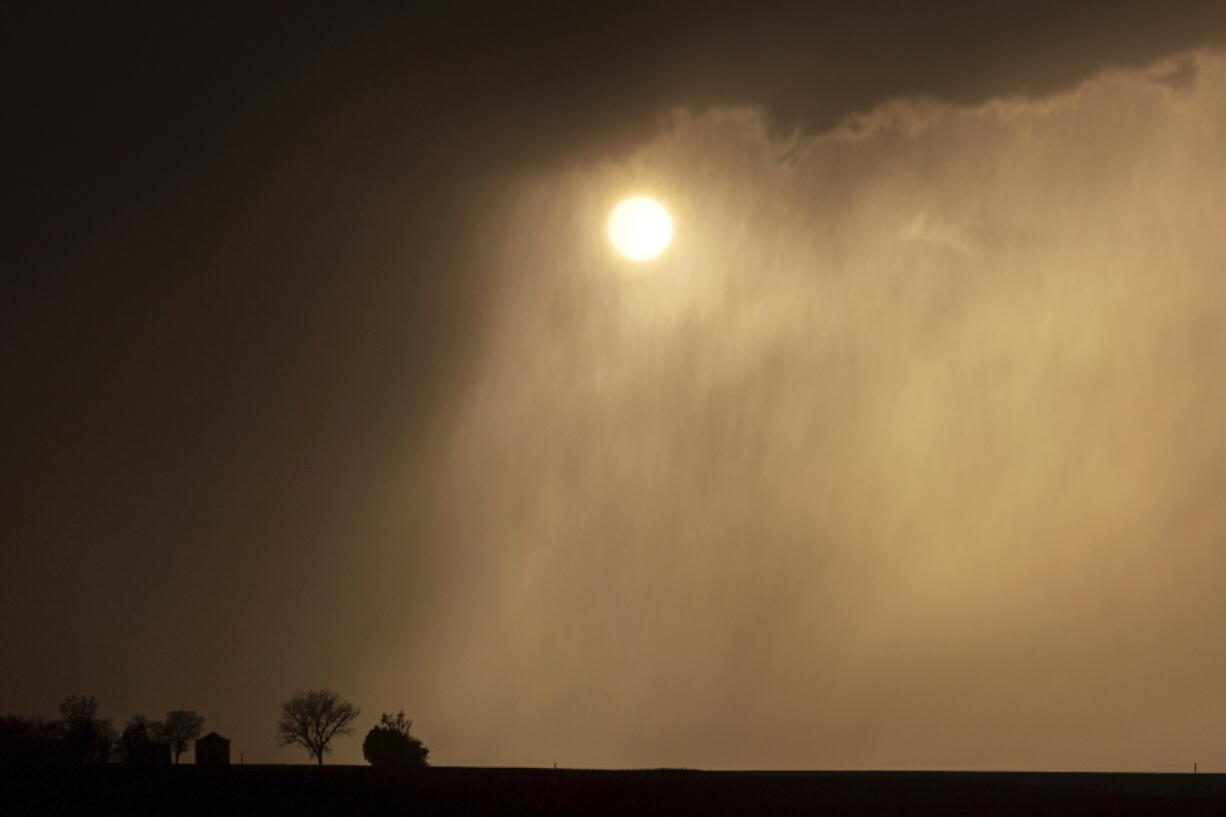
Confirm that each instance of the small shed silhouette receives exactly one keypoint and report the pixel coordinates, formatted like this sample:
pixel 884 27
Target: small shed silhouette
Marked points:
pixel 212 750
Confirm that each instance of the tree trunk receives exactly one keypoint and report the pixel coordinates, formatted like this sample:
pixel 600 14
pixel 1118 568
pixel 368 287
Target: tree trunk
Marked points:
pixel 320 757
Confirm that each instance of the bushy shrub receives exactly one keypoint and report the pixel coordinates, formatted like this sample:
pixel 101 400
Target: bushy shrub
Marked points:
pixel 389 745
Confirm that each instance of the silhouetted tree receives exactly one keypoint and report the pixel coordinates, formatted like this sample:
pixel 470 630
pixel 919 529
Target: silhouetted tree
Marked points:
pixel 180 728
pixel 138 733
pixel 86 737
pixel 312 718
pixel 29 740
pixel 389 745
pixel 135 733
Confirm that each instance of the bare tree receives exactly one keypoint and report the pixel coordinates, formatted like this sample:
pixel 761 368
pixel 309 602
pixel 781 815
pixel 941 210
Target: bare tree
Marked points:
pixel 312 718
pixel 180 728
pixel 86 737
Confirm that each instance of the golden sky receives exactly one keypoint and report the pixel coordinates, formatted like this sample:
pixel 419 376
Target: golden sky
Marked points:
pixel 906 454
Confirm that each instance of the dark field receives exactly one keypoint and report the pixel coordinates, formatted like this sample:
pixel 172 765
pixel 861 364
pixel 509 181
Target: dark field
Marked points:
pixel 349 790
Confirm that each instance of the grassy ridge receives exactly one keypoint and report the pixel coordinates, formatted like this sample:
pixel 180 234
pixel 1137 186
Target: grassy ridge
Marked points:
pixel 354 790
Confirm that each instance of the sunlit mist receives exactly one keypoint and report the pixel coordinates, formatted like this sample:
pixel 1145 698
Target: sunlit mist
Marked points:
pixel 910 460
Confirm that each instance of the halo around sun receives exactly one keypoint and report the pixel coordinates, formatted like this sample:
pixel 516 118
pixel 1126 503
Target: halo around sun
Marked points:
pixel 640 228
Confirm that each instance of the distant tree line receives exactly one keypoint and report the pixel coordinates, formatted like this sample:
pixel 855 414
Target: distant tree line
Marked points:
pixel 81 736
pixel 180 728
pixel 308 719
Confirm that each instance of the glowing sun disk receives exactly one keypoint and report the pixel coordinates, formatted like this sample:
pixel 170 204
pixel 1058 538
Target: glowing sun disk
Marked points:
pixel 640 228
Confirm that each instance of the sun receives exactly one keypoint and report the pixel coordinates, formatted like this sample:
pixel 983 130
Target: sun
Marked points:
pixel 640 228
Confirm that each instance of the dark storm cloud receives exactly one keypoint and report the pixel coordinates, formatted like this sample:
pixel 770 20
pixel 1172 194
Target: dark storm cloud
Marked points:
pixel 252 259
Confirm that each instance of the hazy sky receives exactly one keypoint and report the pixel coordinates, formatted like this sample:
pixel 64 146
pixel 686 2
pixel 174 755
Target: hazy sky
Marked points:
pixel 907 453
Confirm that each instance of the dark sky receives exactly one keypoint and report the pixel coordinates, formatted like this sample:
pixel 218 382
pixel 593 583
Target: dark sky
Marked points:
pixel 315 375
